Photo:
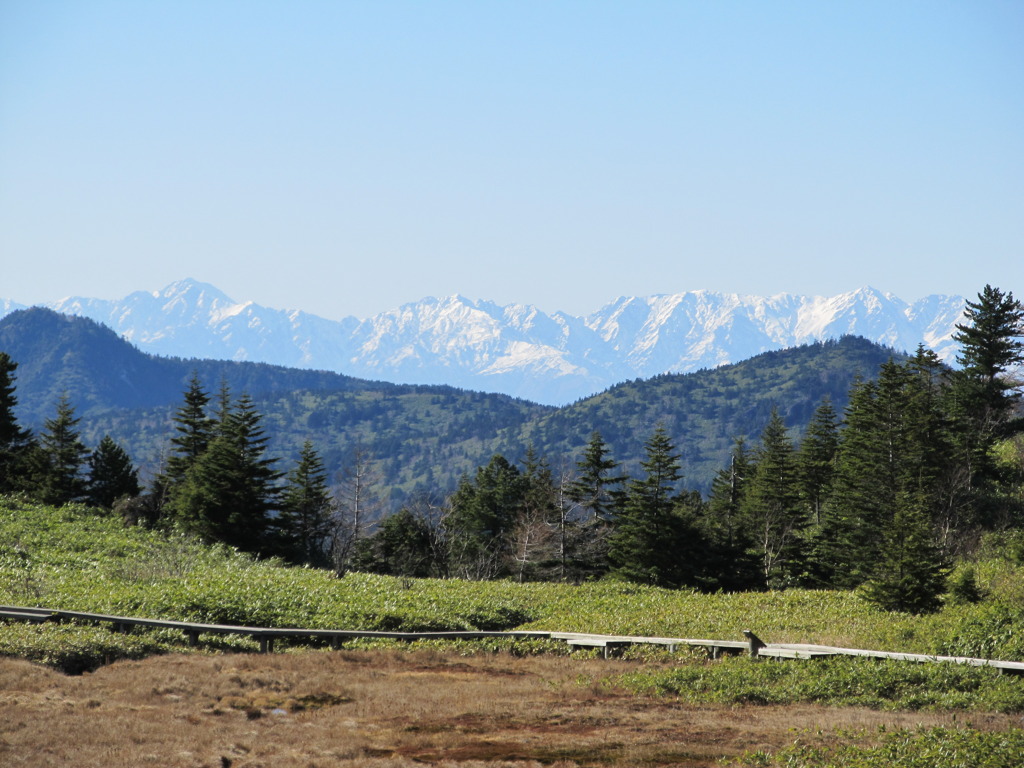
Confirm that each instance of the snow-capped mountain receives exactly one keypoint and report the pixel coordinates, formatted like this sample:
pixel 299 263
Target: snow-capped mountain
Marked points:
pixel 516 349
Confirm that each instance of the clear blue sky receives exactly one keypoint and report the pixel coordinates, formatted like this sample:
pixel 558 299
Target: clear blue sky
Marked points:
pixel 347 157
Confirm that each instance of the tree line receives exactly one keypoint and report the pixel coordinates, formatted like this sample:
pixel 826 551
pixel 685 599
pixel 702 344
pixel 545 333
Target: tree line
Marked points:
pixel 882 496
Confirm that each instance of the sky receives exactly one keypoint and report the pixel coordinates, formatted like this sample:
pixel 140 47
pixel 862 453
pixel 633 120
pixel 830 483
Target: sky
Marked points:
pixel 345 158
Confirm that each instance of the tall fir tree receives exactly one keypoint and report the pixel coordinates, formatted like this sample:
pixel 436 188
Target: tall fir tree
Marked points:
pixel 892 458
pixel 303 527
pixel 480 519
pixel 194 430
pixel 816 459
pixel 111 475
pixel 771 507
pixel 15 442
pixel 230 491
pixel 597 488
pixel 909 574
pixel 62 456
pixel 734 567
pixel 656 540
pixel 984 396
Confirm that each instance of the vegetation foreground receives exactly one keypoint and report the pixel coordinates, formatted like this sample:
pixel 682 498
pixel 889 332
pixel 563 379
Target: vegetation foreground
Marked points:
pixel 76 559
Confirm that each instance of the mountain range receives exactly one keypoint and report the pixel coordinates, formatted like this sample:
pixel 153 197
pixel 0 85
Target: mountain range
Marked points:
pixel 516 349
pixel 419 439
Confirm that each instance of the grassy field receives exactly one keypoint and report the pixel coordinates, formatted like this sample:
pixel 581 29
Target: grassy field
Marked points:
pixel 73 559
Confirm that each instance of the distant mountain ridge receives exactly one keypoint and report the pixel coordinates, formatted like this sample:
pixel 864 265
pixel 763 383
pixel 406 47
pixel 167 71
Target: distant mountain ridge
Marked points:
pixel 516 349
pixel 419 438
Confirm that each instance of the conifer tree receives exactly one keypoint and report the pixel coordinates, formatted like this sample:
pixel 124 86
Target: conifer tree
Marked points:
pixel 194 428
pixel 984 395
pixel 816 459
pixel 111 475
pixel 725 503
pixel 771 506
pixel 909 574
pixel 62 457
pixel 229 492
pixel 15 442
pixel 892 459
pixel 655 540
pixel 731 539
pixel 304 524
pixel 480 518
pixel 596 489
pixel 401 546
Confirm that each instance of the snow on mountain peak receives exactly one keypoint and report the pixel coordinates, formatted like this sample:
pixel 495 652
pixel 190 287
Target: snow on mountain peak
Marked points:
pixel 516 348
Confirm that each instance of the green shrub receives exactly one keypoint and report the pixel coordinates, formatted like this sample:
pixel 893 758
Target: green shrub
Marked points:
pixel 931 748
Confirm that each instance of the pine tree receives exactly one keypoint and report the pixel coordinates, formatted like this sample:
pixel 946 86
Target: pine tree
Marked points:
pixel 229 492
pixel 111 475
pixel 480 518
pixel 893 456
pixel 910 571
pixel 194 430
pixel 596 487
pixel 304 524
pixel 725 503
pixel 983 397
pixel 401 546
pixel 816 459
pixel 62 457
pixel 731 538
pixel 771 506
pixel 655 540
pixel 15 442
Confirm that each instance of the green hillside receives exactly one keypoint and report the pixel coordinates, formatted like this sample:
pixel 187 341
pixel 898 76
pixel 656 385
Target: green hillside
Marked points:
pixel 72 558
pixel 419 439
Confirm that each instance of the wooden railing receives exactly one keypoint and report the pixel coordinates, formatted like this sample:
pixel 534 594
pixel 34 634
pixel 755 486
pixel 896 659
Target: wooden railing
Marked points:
pixel 609 644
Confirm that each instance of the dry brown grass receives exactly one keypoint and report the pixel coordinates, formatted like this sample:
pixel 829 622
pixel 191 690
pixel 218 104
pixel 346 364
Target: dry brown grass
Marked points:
pixel 380 709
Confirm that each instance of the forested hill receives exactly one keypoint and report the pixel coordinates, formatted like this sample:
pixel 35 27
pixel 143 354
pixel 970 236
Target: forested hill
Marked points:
pixel 705 411
pixel 103 373
pixel 420 438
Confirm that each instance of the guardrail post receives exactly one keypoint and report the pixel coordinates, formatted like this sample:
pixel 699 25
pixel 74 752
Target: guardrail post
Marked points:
pixel 756 643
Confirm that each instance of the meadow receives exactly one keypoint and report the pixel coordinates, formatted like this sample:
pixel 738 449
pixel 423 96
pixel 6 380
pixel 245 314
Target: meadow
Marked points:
pixel 847 710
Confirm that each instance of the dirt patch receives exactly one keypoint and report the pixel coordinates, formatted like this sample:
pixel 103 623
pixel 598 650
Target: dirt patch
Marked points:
pixel 383 709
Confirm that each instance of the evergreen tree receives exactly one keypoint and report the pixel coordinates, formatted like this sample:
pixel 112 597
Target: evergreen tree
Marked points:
pixel 111 475
pixel 481 516
pixel 194 430
pixel 910 572
pixel 229 492
pixel 733 566
pixel 61 457
pixel 401 546
pixel 304 524
pixel 892 459
pixel 15 442
pixel 816 459
pixel 591 501
pixel 656 540
pixel 725 503
pixel 983 398
pixel 596 487
pixel 771 506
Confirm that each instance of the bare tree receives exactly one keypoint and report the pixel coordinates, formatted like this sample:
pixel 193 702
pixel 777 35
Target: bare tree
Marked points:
pixel 357 506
